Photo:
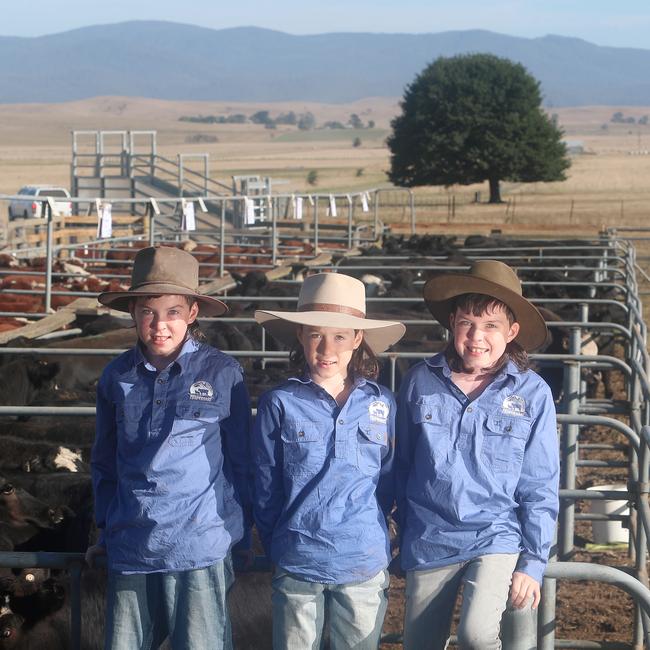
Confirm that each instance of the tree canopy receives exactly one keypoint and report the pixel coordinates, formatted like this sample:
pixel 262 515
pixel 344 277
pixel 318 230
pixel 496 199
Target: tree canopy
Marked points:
pixel 471 118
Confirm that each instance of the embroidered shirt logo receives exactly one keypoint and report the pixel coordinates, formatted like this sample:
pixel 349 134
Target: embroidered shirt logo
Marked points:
pixel 378 412
pixel 514 405
pixel 201 390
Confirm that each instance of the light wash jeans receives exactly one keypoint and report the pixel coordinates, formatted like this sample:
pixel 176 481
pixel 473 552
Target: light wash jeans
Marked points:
pixel 431 596
pixel 189 606
pixel 355 613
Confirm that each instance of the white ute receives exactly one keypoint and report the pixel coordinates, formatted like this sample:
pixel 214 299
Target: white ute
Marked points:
pixel 32 205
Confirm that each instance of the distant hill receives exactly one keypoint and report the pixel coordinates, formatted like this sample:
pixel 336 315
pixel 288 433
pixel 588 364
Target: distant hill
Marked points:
pixel 173 61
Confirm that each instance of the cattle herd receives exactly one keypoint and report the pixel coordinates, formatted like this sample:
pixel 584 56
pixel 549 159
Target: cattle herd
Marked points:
pixel 45 493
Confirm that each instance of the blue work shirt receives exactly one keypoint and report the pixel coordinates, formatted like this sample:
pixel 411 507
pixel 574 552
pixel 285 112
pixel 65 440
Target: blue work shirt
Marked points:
pixel 324 480
pixel 476 477
pixel 171 460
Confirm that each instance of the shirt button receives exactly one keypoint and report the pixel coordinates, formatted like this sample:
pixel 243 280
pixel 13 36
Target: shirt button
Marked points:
pixel 196 414
pixel 157 401
pixel 340 421
pixel 301 434
pixel 161 381
pixel 469 409
pixel 427 416
pixel 509 428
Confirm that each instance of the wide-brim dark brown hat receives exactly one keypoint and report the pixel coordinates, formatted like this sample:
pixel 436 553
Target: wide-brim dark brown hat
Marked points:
pixel 490 278
pixel 159 271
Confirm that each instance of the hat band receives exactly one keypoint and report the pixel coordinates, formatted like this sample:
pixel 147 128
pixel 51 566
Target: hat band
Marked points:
pixel 340 309
pixel 173 283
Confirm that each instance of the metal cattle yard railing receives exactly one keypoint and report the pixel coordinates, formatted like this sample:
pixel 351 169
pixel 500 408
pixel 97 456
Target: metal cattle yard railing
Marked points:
pixel 606 265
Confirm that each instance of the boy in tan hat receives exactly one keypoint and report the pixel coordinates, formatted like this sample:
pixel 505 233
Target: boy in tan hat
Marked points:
pixel 170 464
pixel 323 447
pixel 477 463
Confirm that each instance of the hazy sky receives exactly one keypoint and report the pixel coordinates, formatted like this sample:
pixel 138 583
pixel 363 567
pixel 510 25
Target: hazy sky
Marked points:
pixel 604 22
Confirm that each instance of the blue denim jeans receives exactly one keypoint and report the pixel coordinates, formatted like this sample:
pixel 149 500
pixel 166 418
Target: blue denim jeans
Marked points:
pixel 431 596
pixel 188 606
pixel 355 613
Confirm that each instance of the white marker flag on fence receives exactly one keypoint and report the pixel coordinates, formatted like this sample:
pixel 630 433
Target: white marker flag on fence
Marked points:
pixel 249 209
pixel 310 198
pixel 188 220
pixel 297 207
pixel 104 219
pixel 364 202
pixel 332 206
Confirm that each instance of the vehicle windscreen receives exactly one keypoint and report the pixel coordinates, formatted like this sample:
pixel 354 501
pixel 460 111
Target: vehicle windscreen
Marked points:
pixel 52 193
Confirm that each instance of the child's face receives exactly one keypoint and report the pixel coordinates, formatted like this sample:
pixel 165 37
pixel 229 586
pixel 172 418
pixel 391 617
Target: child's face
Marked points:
pixel 481 340
pixel 161 323
pixel 328 350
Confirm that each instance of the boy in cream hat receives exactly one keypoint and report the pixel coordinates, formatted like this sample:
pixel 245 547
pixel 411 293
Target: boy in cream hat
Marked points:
pixel 170 464
pixel 477 463
pixel 323 446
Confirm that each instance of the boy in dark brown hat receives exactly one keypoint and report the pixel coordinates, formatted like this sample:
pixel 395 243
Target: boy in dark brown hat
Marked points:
pixel 477 463
pixel 170 464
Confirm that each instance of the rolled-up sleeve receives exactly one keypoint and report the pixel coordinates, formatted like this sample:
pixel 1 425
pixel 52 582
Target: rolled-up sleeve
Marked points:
pixel 537 490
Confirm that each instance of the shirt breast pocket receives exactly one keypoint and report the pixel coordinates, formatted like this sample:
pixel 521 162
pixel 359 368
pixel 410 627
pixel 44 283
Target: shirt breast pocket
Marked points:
pixel 303 446
pixel 191 421
pixel 132 430
pixel 504 442
pixel 372 444
pixel 433 423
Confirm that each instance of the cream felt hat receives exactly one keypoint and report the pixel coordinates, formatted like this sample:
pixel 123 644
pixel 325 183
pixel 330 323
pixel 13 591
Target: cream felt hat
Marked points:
pixel 331 300
pixel 490 278
pixel 161 270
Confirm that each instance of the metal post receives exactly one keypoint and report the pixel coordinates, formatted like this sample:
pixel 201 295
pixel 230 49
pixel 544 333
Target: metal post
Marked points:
pixel 569 452
pixel 349 225
pixel 222 237
pixel 152 222
pixel 75 605
pixel 274 234
pixel 181 180
pixel 375 210
pixel 519 629
pixel 316 224
pixel 47 208
pixel 412 208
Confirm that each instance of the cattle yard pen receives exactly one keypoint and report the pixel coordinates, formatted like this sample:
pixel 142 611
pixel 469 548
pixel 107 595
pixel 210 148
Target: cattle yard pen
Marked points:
pixel 597 278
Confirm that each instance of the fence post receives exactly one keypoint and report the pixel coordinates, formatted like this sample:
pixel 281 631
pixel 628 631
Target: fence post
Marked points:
pixel 349 225
pixel 412 208
pixel 47 208
pixel 316 223
pixel 222 237
pixel 274 234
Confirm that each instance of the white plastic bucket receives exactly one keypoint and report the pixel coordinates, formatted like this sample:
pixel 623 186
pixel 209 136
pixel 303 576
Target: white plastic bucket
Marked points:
pixel 609 532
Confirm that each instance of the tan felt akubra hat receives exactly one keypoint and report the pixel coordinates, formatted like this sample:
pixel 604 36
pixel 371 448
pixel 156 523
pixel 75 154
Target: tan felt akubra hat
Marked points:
pixel 331 300
pixel 490 278
pixel 163 270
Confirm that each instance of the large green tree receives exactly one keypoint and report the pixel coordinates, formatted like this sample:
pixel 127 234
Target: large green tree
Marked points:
pixel 471 118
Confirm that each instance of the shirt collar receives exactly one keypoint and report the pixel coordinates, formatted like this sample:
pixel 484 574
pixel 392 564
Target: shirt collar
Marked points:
pixel 440 361
pixel 189 346
pixel 306 380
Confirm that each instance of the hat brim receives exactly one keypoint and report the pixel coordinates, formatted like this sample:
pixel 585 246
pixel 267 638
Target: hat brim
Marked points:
pixel 440 291
pixel 378 334
pixel 121 300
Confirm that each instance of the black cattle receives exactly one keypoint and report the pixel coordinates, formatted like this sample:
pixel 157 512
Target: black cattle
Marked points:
pixel 40 456
pixel 22 378
pixel 23 518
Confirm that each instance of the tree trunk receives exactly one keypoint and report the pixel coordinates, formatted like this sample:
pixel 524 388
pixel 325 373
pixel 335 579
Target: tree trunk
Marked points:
pixel 495 191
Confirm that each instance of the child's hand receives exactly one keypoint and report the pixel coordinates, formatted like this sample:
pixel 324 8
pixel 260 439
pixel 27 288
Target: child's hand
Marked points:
pixel 93 552
pixel 521 590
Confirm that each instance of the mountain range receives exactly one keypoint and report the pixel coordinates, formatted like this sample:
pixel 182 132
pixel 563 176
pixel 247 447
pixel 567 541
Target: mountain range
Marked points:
pixel 176 61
